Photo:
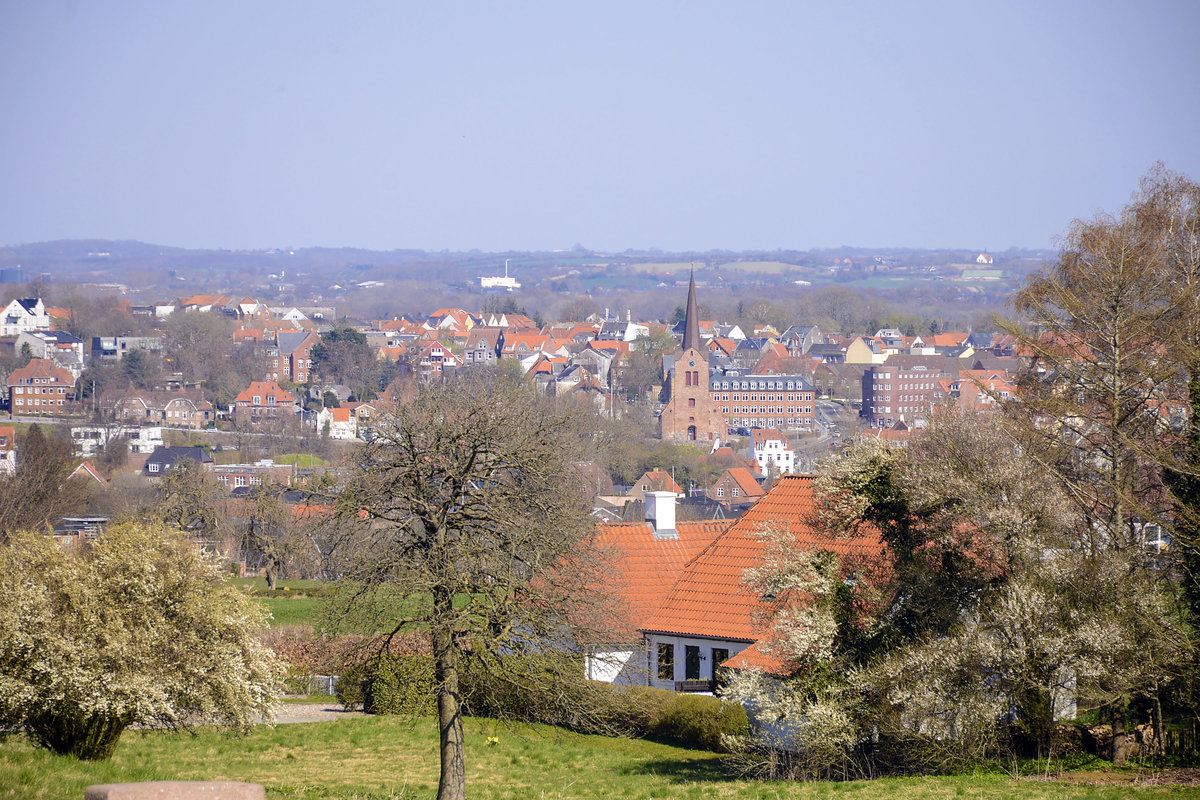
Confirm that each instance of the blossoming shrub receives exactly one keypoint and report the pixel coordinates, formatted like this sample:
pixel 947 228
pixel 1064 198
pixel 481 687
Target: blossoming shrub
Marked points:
pixel 137 628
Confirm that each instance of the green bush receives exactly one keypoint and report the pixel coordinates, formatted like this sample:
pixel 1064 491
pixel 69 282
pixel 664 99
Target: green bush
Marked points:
pixel 696 720
pixel 402 685
pixel 350 689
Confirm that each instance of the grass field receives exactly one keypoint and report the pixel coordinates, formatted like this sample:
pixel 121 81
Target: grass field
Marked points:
pixel 386 757
pixel 301 460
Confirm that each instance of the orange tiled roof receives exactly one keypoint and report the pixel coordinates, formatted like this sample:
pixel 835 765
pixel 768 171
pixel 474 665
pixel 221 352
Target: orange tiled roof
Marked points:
pixel 755 657
pixel 659 480
pixel 644 567
pixel 745 481
pixel 709 598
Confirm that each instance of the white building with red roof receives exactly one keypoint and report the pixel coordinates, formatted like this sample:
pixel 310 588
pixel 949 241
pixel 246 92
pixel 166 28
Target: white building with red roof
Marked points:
pixel 711 616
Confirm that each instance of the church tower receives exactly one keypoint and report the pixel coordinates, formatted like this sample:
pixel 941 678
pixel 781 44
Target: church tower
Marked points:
pixel 690 415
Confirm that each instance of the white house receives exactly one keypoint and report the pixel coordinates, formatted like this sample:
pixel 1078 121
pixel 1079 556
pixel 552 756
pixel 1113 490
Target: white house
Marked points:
pixel 646 560
pixel 710 617
pixel 89 439
pixel 24 315
pixel 337 423
pixel 772 447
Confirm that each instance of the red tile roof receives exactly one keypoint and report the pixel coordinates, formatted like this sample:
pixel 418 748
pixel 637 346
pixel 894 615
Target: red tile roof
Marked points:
pixel 644 567
pixel 710 599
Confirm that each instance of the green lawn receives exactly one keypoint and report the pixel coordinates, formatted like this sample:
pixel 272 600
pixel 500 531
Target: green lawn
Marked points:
pixel 393 758
pixel 302 460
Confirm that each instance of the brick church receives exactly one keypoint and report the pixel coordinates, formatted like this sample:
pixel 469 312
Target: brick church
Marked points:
pixel 690 415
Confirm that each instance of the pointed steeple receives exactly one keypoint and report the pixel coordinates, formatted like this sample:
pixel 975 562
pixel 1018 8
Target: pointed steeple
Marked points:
pixel 691 319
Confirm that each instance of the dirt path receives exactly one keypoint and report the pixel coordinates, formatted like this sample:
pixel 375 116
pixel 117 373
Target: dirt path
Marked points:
pixel 312 712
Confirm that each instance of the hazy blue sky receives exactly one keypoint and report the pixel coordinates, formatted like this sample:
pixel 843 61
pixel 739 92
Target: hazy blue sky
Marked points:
pixel 527 125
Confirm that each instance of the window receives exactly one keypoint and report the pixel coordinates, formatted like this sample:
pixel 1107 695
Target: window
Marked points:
pixel 666 662
pixel 737 492
pixel 720 491
pixel 691 663
pixel 719 656
pixel 691 402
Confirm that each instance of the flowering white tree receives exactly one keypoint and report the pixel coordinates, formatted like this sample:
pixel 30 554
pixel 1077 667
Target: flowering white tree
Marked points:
pixel 137 628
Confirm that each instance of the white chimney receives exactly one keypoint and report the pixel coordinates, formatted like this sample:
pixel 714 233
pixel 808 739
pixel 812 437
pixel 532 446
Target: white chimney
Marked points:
pixel 629 315
pixel 660 513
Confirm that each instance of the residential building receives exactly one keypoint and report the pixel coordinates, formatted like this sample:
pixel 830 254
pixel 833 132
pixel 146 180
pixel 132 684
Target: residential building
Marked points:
pixel 115 348
pixel 337 423
pixel 772 452
pixel 711 618
pixel 179 409
pixel 262 401
pixel 89 439
pixel 483 346
pixel 654 480
pixel 905 387
pixel 8 449
pixel 644 561
pixel 24 315
pixel 42 388
pixel 291 358
pixel 266 471
pixel 164 458
pixel 735 487
pixel 64 349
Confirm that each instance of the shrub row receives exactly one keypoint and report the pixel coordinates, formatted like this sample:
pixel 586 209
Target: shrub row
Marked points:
pixel 534 689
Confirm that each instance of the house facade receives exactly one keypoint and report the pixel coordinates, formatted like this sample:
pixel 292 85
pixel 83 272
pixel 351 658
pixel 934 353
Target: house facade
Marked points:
pixel 60 347
pixel 89 439
pixel 711 616
pixel 24 315
pixel 184 409
pixel 8 449
pixel 785 402
pixel 772 448
pixel 42 388
pixel 262 401
pixel 645 560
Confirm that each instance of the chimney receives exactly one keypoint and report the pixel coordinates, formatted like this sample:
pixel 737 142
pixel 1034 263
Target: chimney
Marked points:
pixel 660 513
pixel 629 315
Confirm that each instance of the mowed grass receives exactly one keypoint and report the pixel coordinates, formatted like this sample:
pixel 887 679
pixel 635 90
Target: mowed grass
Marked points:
pixel 387 757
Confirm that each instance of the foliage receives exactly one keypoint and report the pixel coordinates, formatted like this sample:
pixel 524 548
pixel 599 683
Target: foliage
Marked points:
pixel 137 629
pixel 188 499
pixel 468 497
pixel 400 685
pixel 343 356
pixel 40 491
pixel 709 723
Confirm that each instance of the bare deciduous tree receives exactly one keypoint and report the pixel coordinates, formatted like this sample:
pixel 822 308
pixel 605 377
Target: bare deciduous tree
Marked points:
pixel 476 528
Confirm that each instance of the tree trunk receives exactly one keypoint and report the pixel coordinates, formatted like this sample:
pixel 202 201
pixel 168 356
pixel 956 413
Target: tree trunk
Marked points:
pixel 1120 740
pixel 452 783
pixel 270 577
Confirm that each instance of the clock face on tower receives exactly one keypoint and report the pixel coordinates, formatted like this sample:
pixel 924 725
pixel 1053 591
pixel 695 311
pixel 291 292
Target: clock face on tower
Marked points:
pixel 692 362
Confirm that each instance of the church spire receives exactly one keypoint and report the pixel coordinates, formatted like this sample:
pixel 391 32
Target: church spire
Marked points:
pixel 691 320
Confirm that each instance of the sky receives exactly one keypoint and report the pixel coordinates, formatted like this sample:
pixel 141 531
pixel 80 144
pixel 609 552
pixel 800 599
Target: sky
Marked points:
pixel 614 125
